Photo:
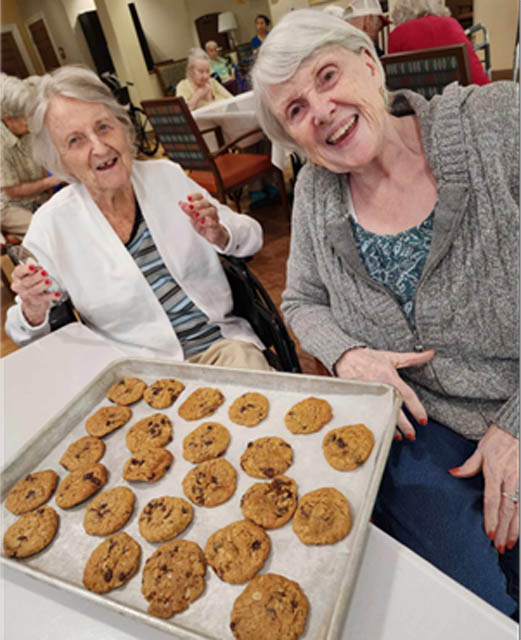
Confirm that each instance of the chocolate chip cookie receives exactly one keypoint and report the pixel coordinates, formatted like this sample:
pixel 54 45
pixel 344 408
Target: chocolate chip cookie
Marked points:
pixel 163 393
pixel 249 409
pixel 31 491
pixel 308 415
pixel 173 577
pixel 109 511
pixel 346 448
pixel 148 465
pixel 322 517
pixel 149 433
pixel 210 483
pixel 270 504
pixel 106 420
pixel 112 563
pixel 238 551
pixel 85 451
pixel 165 518
pixel 271 606
pixel 80 484
pixel 126 391
pixel 267 457
pixel 31 533
pixel 201 403
pixel 209 440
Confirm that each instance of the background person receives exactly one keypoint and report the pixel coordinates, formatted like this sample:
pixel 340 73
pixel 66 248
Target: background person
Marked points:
pixel 134 244
pixel 367 15
pixel 424 24
pixel 262 23
pixel 404 253
pixel 24 184
pixel 199 88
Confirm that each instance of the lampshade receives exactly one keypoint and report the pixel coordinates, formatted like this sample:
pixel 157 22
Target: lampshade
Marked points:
pixel 226 22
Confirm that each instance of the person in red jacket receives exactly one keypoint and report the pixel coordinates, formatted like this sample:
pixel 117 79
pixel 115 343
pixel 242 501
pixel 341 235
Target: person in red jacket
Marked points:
pixel 424 24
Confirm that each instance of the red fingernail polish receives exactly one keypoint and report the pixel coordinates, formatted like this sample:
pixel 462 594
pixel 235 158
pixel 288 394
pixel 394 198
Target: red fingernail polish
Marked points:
pixel 32 267
pixel 454 469
pixel 196 215
pixel 57 294
pixel 189 198
pixel 511 544
pixel 410 436
pixel 491 534
pixel 202 221
pixel 191 206
pixel 423 421
pixel 44 273
pixel 501 548
pixel 398 437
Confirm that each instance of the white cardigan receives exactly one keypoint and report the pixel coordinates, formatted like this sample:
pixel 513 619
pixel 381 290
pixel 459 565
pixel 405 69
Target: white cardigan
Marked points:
pixel 74 242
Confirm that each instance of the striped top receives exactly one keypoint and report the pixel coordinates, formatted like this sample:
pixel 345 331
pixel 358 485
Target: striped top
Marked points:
pixel 191 325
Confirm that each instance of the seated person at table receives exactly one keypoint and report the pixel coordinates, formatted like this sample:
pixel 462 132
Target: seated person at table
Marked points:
pixel 262 23
pixel 219 65
pixel 424 24
pixel 24 184
pixel 134 244
pixel 403 269
pixel 199 88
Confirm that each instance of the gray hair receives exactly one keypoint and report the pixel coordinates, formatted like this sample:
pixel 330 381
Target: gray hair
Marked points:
pixel 405 10
pixel 15 95
pixel 195 54
pixel 296 37
pixel 210 43
pixel 70 82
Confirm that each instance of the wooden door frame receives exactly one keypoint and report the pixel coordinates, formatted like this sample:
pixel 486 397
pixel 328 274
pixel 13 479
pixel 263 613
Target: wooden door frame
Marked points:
pixel 35 18
pixel 12 28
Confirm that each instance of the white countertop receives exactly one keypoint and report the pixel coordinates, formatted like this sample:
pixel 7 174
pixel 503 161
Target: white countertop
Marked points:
pixel 398 596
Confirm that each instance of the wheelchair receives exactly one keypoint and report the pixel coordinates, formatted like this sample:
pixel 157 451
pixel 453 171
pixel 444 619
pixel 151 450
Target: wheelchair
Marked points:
pixel 250 301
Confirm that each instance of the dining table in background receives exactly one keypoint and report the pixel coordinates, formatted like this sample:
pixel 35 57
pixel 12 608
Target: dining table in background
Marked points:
pixel 397 595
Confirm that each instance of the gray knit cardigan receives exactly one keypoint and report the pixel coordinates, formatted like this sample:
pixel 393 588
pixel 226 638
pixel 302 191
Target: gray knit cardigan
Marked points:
pixel 467 300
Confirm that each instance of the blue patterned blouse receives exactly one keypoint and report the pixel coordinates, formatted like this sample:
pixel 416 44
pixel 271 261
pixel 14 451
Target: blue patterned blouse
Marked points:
pixel 396 261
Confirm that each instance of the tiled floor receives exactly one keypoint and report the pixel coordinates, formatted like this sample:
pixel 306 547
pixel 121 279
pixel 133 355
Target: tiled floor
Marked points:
pixel 268 265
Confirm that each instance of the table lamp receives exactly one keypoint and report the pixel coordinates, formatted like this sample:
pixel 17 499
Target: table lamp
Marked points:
pixel 227 24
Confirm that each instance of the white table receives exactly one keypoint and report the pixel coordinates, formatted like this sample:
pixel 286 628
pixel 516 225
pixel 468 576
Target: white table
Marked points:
pixel 398 596
pixel 235 116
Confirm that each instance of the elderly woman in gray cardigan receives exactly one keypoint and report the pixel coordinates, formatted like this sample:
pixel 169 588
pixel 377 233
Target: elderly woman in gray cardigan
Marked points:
pixel 403 269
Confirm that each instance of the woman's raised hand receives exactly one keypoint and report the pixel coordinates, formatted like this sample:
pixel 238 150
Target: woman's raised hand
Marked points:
pixel 363 363
pixel 205 220
pixel 31 283
pixel 497 456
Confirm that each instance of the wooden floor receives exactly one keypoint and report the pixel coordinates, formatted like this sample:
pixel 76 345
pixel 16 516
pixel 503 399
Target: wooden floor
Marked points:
pixel 268 265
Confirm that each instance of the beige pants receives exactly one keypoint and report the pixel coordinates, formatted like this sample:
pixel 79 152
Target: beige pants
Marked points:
pixel 234 354
pixel 15 220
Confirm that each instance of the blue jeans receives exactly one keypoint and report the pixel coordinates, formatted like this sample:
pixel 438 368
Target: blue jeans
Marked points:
pixel 441 518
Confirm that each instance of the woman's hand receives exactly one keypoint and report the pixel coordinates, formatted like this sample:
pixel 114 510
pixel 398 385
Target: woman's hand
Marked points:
pixel 363 363
pixel 31 283
pixel 201 94
pixel 205 220
pixel 497 456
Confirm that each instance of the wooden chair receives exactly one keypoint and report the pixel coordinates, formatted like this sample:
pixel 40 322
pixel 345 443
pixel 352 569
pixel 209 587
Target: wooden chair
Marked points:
pixel 220 172
pixel 169 74
pixel 427 71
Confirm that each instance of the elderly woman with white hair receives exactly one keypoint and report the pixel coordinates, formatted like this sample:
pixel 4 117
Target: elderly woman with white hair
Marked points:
pixel 424 24
pixel 403 269
pixel 134 244
pixel 199 88
pixel 24 183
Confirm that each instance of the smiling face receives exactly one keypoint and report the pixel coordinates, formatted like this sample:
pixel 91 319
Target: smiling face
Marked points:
pixel 200 72
pixel 333 108
pixel 93 144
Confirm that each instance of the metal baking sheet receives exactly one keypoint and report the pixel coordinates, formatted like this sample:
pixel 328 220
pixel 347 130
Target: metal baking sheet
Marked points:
pixel 325 573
